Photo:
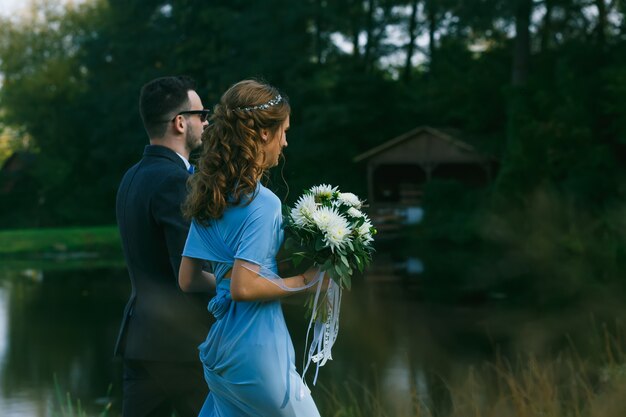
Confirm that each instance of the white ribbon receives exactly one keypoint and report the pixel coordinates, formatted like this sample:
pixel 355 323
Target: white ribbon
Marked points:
pixel 324 331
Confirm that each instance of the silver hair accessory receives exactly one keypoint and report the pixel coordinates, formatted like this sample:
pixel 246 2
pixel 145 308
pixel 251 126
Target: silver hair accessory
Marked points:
pixel 263 106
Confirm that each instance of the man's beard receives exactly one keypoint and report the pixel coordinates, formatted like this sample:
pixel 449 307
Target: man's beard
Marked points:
pixel 191 142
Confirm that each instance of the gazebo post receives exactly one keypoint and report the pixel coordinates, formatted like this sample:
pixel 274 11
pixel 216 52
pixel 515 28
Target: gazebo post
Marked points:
pixel 370 183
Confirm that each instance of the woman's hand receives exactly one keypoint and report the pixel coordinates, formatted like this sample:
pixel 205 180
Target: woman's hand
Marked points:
pixel 311 274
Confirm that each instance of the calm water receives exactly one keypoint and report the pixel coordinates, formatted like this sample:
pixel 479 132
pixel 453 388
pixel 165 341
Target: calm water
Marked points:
pixel 61 322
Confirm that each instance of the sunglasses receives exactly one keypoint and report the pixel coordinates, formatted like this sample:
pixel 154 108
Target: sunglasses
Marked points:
pixel 204 114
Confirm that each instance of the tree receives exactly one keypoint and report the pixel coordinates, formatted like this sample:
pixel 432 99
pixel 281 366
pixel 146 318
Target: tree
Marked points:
pixel 42 79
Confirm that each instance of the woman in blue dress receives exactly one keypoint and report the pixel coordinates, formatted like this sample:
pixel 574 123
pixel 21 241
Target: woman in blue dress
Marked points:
pixel 248 356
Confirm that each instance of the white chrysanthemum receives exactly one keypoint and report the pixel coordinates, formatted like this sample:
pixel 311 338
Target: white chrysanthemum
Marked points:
pixel 323 217
pixel 302 213
pixel 323 190
pixel 367 238
pixel 355 213
pixel 349 199
pixel 364 232
pixel 364 228
pixel 337 233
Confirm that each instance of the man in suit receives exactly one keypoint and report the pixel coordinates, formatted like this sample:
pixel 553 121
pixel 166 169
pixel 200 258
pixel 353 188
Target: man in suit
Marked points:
pixel 162 326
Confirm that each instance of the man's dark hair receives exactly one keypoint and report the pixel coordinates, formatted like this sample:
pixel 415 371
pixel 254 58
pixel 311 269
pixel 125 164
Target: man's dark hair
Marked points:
pixel 161 99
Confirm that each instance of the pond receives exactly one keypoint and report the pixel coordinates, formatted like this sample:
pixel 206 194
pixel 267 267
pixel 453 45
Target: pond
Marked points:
pixel 58 325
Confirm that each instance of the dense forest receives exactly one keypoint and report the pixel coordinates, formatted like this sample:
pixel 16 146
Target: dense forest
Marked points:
pixel 539 85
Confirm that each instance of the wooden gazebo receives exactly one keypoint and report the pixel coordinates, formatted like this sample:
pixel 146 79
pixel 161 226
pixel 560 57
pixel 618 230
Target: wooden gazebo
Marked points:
pixel 398 169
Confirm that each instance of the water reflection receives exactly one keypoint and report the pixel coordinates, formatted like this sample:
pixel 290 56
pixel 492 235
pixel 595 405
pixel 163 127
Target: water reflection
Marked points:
pixel 4 318
pixel 391 344
pixel 59 323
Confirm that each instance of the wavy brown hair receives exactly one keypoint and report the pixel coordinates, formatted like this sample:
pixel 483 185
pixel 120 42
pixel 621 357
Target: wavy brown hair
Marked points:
pixel 229 167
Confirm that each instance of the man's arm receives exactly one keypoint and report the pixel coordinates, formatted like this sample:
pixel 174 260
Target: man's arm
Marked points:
pixel 166 209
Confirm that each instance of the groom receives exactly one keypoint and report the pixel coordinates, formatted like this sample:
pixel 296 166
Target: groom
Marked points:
pixel 162 326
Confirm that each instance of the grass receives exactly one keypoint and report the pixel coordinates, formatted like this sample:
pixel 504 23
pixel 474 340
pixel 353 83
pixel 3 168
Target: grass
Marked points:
pixel 60 262
pixel 67 407
pixel 566 385
pixel 560 388
pixel 59 242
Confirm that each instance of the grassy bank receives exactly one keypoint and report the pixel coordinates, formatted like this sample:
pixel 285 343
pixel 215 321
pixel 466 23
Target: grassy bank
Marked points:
pixel 565 385
pixel 101 240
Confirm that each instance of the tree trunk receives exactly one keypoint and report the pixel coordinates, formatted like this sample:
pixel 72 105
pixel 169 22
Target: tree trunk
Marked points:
pixel 410 48
pixel 521 51
pixel 318 30
pixel 601 26
pixel 355 13
pixel 369 27
pixel 517 100
pixel 546 30
pixel 432 28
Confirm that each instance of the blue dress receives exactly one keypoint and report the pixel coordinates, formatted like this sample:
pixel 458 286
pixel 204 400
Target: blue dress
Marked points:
pixel 248 356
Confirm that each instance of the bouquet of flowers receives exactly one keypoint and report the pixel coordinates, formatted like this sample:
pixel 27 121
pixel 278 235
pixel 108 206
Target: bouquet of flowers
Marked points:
pixel 328 227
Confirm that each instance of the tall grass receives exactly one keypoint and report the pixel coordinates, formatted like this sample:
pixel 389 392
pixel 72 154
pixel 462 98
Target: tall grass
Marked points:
pixel 566 385
pixel 67 407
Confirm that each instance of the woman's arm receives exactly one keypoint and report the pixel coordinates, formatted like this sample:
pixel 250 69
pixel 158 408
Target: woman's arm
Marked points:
pixel 247 285
pixel 191 277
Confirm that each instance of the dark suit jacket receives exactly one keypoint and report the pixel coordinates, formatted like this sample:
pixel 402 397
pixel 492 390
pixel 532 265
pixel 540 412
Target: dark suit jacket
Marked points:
pixel 160 321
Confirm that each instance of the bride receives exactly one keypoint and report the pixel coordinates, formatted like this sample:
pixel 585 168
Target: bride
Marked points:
pixel 248 356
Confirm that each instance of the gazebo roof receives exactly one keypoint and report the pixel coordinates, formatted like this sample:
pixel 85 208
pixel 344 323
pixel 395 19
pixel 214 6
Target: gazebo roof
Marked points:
pixel 434 133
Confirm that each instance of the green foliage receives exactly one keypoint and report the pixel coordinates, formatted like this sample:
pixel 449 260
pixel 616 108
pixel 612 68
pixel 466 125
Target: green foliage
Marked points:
pixel 547 249
pixel 67 407
pixel 25 242
pixel 71 78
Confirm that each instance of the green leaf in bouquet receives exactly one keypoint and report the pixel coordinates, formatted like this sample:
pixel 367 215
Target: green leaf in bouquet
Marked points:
pixel 290 243
pixel 298 257
pixel 339 269
pixel 327 265
pixel 347 282
pixel 334 275
pixel 359 263
pixel 310 300
pixel 350 245
pixel 343 270
pixel 344 260
pixel 319 243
